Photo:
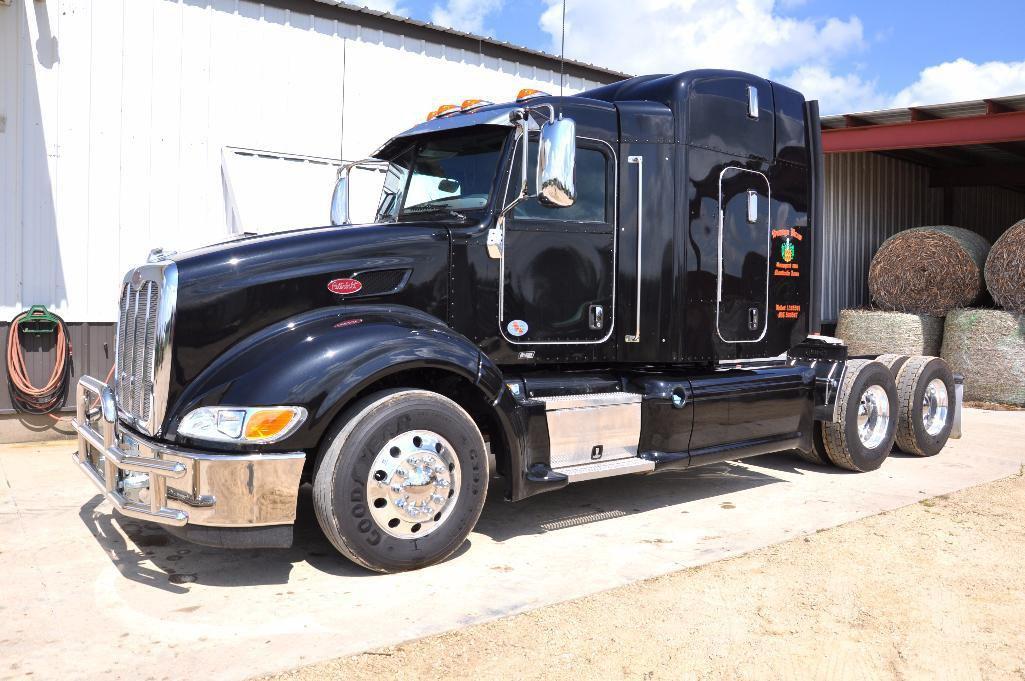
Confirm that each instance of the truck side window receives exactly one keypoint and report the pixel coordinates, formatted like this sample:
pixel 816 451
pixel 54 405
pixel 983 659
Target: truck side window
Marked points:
pixel 591 189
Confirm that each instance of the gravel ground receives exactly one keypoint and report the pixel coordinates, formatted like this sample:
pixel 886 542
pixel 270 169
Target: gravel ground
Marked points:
pixel 935 590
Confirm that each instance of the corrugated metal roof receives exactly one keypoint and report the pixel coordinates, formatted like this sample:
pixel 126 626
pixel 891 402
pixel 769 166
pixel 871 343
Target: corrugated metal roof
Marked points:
pixel 997 153
pixel 599 73
pixel 976 107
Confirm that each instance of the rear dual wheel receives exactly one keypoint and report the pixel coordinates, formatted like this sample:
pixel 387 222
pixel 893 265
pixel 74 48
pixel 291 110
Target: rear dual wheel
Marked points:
pixel 401 481
pixel 925 386
pixel 867 402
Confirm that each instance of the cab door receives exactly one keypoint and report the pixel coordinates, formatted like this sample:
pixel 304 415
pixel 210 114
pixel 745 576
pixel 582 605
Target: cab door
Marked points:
pixel 558 266
pixel 744 242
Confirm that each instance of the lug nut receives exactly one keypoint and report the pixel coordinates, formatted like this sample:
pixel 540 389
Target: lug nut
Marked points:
pixel 400 503
pixel 414 460
pixel 437 498
pixel 396 488
pixel 401 472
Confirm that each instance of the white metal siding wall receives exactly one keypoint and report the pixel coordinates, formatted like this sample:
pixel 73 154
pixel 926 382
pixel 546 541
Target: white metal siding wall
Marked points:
pixel 868 198
pixel 116 114
pixel 987 210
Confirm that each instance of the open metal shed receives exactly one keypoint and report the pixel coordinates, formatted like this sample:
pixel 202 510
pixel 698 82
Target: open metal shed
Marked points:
pixel 959 164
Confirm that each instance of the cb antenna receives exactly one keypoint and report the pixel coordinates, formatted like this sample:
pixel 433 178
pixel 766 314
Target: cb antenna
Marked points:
pixel 562 50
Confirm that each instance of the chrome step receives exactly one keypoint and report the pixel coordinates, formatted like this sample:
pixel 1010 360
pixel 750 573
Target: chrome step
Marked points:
pixel 605 469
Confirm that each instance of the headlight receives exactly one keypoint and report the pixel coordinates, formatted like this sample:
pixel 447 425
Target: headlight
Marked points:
pixel 258 425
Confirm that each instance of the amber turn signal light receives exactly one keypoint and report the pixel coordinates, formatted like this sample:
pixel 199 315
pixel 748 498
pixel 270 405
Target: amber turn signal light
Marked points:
pixel 264 424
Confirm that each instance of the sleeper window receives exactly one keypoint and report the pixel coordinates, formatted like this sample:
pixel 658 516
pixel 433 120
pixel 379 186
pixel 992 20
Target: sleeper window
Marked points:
pixel 590 183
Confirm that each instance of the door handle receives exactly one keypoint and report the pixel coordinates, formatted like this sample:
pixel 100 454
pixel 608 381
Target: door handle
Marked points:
pixel 596 317
pixel 752 318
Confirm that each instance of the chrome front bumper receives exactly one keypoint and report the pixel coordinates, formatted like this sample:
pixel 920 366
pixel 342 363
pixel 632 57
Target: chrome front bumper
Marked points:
pixel 183 486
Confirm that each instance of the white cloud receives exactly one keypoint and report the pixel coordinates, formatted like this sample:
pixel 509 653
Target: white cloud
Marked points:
pixel 658 36
pixel 836 93
pixel 952 81
pixel 464 15
pixel 958 80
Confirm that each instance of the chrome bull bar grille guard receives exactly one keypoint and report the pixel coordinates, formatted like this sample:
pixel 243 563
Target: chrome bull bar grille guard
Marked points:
pixel 223 490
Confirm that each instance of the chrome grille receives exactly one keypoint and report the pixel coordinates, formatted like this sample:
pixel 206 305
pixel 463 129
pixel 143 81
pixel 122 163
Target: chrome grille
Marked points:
pixel 136 348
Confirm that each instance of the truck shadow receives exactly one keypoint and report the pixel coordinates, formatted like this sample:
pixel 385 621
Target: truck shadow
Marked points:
pixel 603 499
pixel 144 553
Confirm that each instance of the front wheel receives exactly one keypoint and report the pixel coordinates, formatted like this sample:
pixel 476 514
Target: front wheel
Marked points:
pixel 401 481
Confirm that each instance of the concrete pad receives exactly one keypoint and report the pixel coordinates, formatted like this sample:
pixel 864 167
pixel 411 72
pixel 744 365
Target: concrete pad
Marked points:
pixel 84 594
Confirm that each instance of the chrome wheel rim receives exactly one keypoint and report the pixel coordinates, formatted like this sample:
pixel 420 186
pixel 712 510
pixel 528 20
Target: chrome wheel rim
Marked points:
pixel 935 405
pixel 413 484
pixel 873 416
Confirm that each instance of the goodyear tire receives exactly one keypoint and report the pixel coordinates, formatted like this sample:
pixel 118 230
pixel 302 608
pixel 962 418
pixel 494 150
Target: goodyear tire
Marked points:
pixel 401 480
pixel 925 390
pixel 863 438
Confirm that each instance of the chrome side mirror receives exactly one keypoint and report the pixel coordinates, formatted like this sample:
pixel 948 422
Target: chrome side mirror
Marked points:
pixel 556 161
pixel 340 198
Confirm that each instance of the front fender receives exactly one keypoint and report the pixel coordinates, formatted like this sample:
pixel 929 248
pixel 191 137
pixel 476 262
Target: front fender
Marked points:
pixel 320 360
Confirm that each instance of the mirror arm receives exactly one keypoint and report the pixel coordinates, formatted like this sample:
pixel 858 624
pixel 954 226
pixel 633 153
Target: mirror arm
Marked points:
pixel 551 111
pixel 346 170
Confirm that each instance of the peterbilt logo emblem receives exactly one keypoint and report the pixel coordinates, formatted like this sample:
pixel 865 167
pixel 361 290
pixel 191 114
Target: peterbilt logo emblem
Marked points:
pixel 344 287
pixel 137 278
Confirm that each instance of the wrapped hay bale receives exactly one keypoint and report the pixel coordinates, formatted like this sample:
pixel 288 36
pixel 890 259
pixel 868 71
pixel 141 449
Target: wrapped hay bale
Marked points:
pixel 928 270
pixel 1005 269
pixel 988 347
pixel 876 332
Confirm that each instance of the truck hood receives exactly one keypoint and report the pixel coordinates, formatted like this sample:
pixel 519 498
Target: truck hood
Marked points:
pixel 228 291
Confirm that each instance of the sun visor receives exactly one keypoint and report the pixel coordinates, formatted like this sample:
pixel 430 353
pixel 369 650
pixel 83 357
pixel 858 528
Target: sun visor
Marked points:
pixel 493 115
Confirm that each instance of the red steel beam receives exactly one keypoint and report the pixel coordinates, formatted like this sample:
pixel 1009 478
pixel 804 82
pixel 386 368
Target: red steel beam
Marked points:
pixel 943 132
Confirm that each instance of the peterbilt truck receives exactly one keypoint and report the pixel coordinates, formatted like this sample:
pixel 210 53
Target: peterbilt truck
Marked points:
pixel 554 290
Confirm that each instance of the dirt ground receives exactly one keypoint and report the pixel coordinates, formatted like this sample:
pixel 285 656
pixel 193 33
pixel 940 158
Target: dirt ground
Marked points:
pixel 935 590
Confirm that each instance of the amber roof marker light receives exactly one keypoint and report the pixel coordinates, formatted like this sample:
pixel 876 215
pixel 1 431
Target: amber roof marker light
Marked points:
pixel 528 93
pixel 474 104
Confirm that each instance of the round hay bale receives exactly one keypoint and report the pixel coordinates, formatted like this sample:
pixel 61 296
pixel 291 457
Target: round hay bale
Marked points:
pixel 988 347
pixel 928 270
pixel 875 332
pixel 1005 269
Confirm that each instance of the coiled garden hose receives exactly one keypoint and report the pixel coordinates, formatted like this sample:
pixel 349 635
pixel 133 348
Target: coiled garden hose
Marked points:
pixel 25 396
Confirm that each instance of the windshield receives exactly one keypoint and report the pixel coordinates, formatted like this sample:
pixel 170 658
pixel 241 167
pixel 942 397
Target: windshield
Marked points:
pixel 448 174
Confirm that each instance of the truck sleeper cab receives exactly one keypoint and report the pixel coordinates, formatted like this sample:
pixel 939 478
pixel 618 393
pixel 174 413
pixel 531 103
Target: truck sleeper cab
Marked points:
pixel 554 290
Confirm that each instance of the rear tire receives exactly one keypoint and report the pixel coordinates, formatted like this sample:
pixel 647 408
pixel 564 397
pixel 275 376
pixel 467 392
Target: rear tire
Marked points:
pixel 893 363
pixel 863 437
pixel 925 389
pixel 817 455
pixel 401 480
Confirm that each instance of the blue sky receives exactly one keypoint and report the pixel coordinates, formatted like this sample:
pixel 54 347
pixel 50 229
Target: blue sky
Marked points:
pixel 853 56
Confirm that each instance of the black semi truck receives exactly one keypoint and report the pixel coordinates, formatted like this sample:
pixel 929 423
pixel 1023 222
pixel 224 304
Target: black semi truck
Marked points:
pixel 554 290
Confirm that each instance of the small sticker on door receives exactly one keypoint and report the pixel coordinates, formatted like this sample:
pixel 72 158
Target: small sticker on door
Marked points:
pixel 517 327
